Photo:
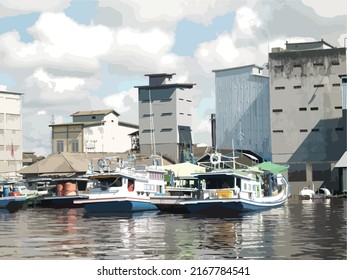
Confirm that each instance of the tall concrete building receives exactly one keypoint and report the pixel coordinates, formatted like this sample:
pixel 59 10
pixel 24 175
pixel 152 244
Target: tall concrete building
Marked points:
pixel 10 133
pixel 93 131
pixel 165 118
pixel 307 128
pixel 242 110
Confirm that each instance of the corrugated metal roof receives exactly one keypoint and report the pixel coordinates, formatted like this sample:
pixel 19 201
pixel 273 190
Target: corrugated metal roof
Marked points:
pixel 94 112
pixel 272 167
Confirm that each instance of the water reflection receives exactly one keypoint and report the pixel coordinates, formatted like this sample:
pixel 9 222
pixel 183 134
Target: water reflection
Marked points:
pixel 300 230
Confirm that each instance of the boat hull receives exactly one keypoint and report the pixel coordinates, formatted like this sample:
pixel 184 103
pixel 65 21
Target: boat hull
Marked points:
pixel 58 202
pixel 114 205
pixel 12 204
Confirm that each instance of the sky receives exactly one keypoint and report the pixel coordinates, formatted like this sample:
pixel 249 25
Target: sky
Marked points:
pixel 67 55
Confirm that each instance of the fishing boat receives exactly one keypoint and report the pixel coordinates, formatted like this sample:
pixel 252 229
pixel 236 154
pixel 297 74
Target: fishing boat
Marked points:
pixel 230 191
pixel 63 193
pixel 126 188
pixel 11 200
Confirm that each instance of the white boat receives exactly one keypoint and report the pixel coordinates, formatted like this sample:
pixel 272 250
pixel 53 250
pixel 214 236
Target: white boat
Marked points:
pixel 230 191
pixel 307 193
pixel 125 189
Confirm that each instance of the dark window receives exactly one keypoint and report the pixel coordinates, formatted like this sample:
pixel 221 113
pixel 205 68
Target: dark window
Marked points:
pixel 93 117
pixel 339 129
pixel 166 130
pixel 317 86
pixel 302 109
pixel 166 114
pixel 181 99
pixel 147 115
pixel 336 85
pixel 181 113
pixel 277 110
pixel 314 108
pixel 189 100
pixel 318 64
pixel 60 146
pixel 166 100
pixel 303 130
pixel 277 131
pixel 75 146
pixel 147 130
pixel 279 88
pixel 297 86
pixel 335 62
pixel 189 114
pixel 338 107
pixel 315 129
pixel 297 65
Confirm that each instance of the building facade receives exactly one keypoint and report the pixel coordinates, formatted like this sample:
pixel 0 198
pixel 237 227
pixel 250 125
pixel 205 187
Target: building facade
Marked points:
pixel 307 128
pixel 93 131
pixel 242 110
pixel 165 118
pixel 10 133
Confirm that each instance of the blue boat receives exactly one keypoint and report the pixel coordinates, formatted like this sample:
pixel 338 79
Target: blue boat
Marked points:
pixel 11 200
pixel 125 189
pixel 230 191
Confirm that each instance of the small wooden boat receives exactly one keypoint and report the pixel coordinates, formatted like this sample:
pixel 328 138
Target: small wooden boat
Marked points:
pixel 11 200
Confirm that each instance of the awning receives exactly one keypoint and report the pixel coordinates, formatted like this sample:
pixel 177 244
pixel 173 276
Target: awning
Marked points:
pixel 272 167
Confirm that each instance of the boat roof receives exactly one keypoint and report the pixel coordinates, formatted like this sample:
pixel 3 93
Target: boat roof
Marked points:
pixel 229 172
pixel 272 167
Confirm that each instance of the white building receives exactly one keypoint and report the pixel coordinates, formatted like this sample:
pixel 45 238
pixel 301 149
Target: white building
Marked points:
pixel 10 133
pixel 242 110
pixel 93 131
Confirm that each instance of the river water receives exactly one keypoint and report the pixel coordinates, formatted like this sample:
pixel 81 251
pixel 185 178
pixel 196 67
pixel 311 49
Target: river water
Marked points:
pixel 300 230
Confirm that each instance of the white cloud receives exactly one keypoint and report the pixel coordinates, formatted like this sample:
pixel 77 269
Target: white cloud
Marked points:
pixel 246 20
pixel 3 87
pixel 42 112
pixel 125 103
pixel 17 7
pixel 329 8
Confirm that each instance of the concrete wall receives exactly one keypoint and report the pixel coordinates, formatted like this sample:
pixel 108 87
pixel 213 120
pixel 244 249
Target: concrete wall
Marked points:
pixel 306 111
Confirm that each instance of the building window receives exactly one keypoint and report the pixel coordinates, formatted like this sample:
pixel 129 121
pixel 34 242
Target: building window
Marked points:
pixel 166 100
pixel 180 99
pixel 279 67
pixel 303 130
pixel 75 146
pixel 297 65
pixel 338 107
pixel 335 62
pixel 181 113
pixel 317 86
pixel 147 115
pixel 189 100
pixel 279 88
pixel 297 86
pixel 93 117
pixel 339 129
pixel 277 110
pixel 336 85
pixel 302 109
pixel 166 114
pixel 166 130
pixel 277 131
pixel 60 146
pixel 315 129
pixel 147 130
pixel 318 64
pixel 189 115
pixel 314 108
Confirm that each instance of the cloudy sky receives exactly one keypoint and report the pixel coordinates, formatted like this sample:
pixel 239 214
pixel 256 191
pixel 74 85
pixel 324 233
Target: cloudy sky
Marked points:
pixel 69 55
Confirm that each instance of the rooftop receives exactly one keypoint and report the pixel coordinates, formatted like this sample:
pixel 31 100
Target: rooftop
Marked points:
pixel 94 112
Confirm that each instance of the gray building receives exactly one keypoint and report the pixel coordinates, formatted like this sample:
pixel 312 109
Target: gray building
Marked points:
pixel 165 118
pixel 242 110
pixel 307 127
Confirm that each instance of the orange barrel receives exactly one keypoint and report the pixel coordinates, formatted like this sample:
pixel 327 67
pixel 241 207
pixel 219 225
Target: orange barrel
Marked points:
pixel 70 188
pixel 60 188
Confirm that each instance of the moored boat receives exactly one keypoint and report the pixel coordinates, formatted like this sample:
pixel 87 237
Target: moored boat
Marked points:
pixel 125 189
pixel 11 200
pixel 230 191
